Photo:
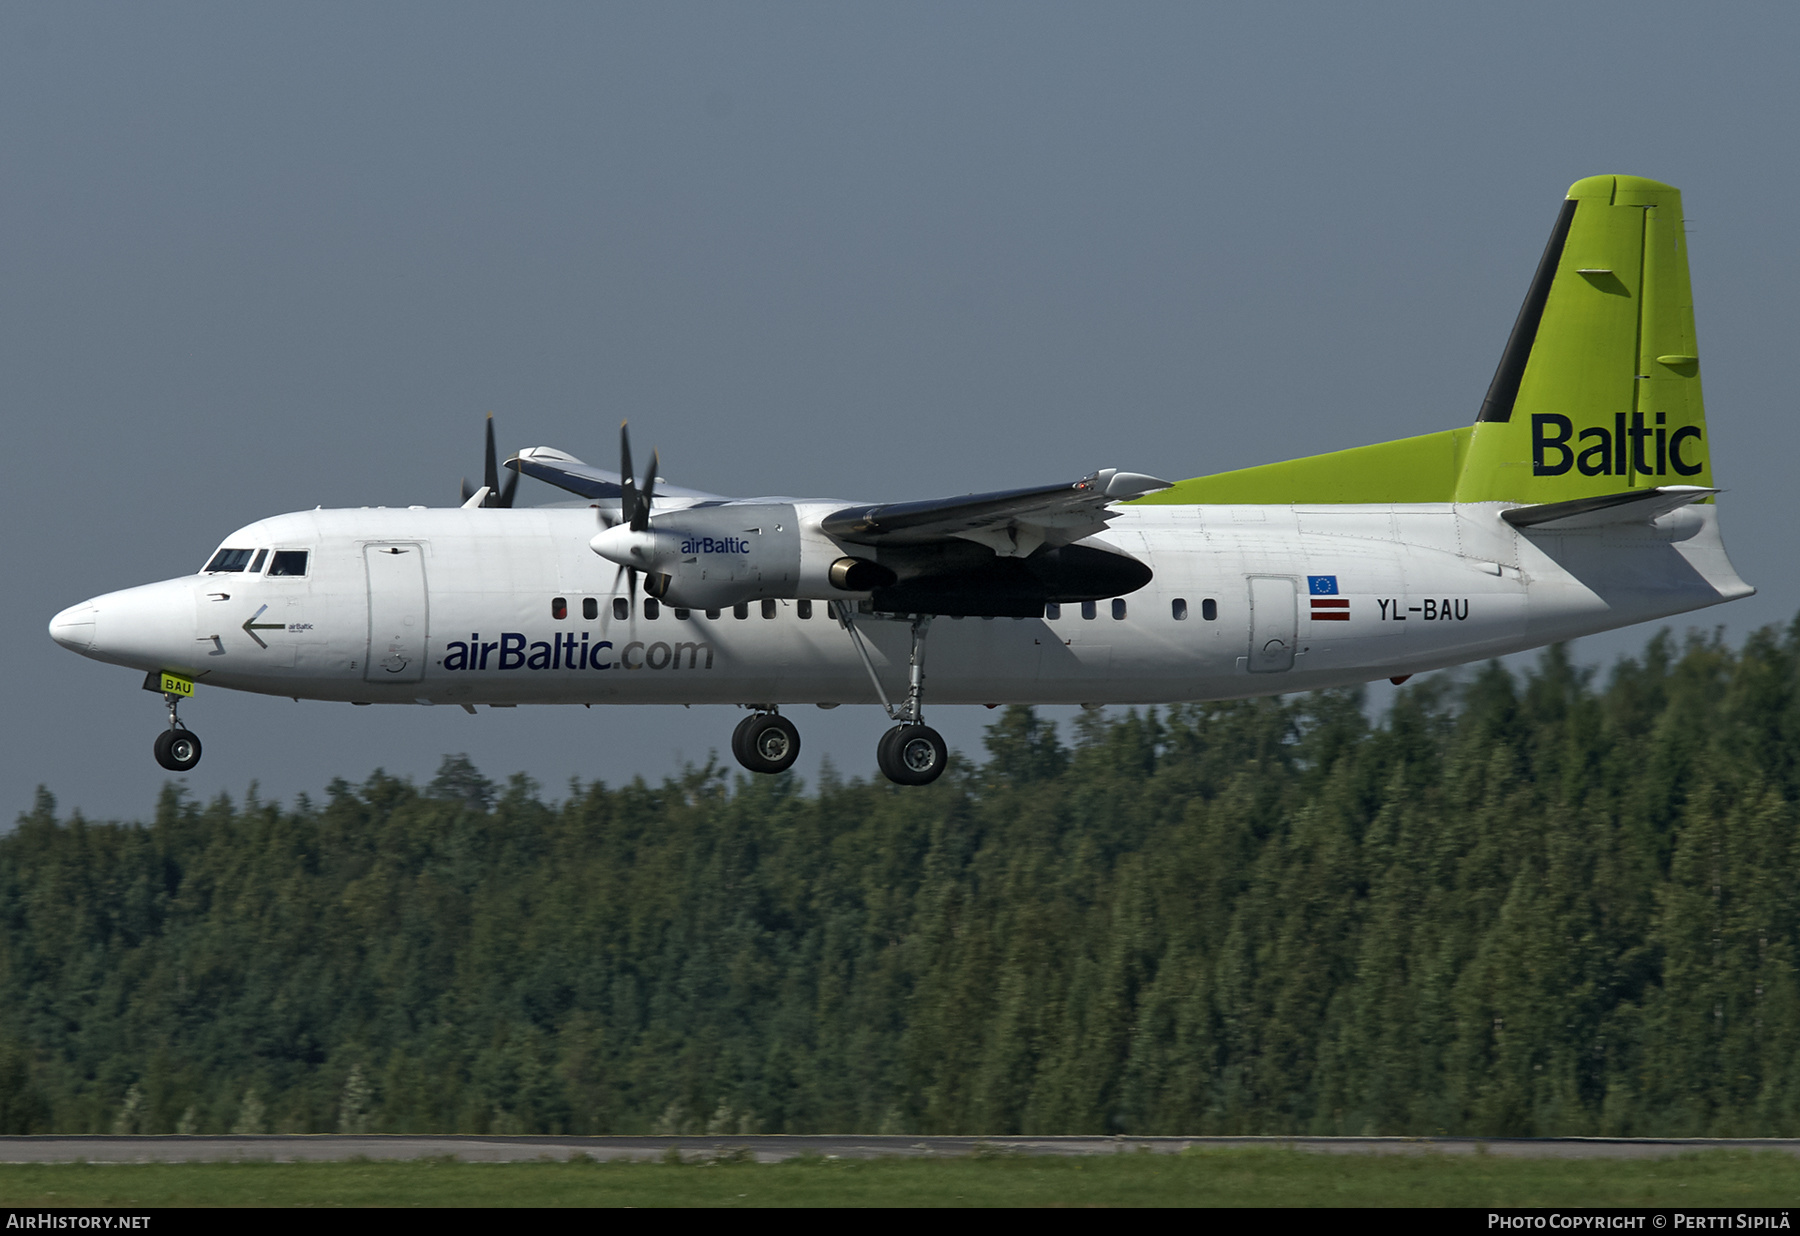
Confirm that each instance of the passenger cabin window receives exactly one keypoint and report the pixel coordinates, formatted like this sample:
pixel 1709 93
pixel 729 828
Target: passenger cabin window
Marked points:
pixel 1118 607
pixel 590 608
pixel 256 562
pixel 559 608
pixel 229 560
pixel 651 608
pixel 768 608
pixel 712 613
pixel 621 608
pixel 1052 610
pixel 1209 610
pixel 681 615
pixel 1178 608
pixel 803 608
pixel 740 610
pixel 1088 610
pixel 288 562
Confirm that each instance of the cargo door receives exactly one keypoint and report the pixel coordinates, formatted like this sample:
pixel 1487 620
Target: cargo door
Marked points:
pixel 397 616
pixel 1274 624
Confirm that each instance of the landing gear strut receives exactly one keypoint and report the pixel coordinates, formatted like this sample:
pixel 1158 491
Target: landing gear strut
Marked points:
pixel 766 742
pixel 177 748
pixel 912 753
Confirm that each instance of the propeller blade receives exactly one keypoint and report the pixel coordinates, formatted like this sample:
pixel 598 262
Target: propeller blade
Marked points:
pixel 631 574
pixel 468 490
pixel 650 481
pixel 627 486
pixel 506 491
pixel 492 471
pixel 640 518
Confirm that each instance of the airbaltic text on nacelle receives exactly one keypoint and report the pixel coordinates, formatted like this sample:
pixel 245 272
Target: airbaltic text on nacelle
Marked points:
pixel 514 651
pixel 715 545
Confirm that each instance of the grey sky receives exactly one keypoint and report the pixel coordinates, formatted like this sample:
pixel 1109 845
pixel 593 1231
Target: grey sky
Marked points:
pixel 258 258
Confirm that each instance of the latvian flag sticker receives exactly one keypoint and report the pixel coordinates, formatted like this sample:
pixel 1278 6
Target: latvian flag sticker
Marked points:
pixel 1327 605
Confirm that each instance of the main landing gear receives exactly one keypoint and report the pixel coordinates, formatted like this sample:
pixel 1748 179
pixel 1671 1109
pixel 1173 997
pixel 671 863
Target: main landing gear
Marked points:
pixel 177 748
pixel 766 742
pixel 912 753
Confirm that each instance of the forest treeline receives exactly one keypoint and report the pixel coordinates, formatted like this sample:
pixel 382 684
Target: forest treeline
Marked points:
pixel 1556 902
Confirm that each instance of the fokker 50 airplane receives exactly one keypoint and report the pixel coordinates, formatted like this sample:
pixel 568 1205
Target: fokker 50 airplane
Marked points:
pixel 1580 500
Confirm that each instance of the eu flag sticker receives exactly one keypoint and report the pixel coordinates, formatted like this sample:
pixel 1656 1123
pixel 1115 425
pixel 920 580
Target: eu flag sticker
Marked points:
pixel 1326 605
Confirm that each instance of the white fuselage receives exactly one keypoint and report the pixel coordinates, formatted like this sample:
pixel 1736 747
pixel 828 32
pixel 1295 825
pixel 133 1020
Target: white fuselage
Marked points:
pixel 457 606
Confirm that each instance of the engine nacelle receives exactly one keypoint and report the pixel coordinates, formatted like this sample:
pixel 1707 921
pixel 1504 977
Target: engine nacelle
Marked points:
pixel 715 557
pixel 712 557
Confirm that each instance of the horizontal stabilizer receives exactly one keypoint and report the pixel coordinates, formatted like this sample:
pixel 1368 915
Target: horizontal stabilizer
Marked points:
pixel 1637 506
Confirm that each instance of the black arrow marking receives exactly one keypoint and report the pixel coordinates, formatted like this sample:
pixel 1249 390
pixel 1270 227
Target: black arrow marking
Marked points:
pixel 252 626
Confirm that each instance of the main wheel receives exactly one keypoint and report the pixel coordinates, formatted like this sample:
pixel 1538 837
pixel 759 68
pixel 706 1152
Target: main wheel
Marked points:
pixel 177 750
pixel 739 751
pixel 770 743
pixel 912 755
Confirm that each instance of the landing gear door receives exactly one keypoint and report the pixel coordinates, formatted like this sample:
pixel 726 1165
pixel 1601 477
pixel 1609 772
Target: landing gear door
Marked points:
pixel 397 614
pixel 1274 624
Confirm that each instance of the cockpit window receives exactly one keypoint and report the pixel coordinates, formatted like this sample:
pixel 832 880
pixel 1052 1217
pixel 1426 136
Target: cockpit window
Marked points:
pixel 288 562
pixel 229 560
pixel 256 562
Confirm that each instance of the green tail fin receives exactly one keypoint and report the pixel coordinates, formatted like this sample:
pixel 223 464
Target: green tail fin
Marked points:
pixel 1598 390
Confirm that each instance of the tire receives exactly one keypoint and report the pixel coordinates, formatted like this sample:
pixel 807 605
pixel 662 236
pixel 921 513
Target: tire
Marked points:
pixel 178 750
pixel 770 744
pixel 912 755
pixel 885 759
pixel 739 751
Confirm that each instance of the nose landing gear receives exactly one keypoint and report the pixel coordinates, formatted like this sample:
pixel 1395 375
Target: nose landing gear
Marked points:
pixel 177 748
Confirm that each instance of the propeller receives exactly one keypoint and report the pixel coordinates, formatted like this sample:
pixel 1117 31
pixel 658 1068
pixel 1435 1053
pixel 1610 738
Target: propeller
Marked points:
pixel 496 495
pixel 634 503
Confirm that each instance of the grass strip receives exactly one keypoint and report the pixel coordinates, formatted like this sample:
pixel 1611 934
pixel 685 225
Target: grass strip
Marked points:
pixel 1255 1177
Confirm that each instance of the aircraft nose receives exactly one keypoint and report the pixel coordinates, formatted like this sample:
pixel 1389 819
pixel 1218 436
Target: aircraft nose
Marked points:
pixel 146 627
pixel 74 627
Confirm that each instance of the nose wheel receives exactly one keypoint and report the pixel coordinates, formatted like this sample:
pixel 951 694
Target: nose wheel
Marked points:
pixel 766 742
pixel 177 750
pixel 178 747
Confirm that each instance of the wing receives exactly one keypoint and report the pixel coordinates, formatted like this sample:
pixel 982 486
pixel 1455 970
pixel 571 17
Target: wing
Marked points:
pixel 564 471
pixel 1013 523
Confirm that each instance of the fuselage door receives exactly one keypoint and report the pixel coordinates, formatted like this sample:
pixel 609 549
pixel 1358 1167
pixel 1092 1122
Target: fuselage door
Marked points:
pixel 397 613
pixel 1274 624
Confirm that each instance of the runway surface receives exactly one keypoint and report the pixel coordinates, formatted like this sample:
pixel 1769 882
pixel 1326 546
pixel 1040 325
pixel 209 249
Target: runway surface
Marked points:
pixel 282 1148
